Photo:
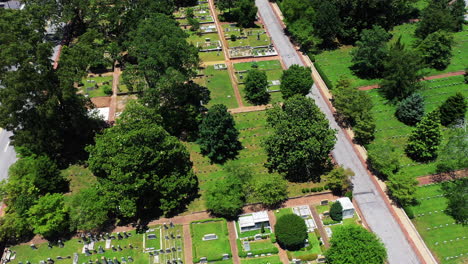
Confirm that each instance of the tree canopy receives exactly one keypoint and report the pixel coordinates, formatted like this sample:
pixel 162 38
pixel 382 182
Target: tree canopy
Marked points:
pixel 353 244
pixel 49 216
pixel 456 192
pixel 411 109
pixel 453 110
pixel 271 189
pixel 383 160
pixel 454 154
pixel 226 198
pixel 402 189
pixel 300 141
pixel 338 179
pixel 436 50
pixel 425 139
pixel 256 85
pixel 296 80
pixel 89 209
pixel 291 231
pixel 336 211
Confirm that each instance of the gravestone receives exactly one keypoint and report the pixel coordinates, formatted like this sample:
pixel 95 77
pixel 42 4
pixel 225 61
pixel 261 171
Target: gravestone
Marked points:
pixel 100 250
pixel 109 261
pixel 208 237
pixel 116 261
pixel 321 259
pixel 113 248
pixel 203 260
pixel 33 246
pixel 326 213
pixel 324 202
pixel 151 236
pixel 258 237
pixel 119 236
pixel 172 224
pixel 125 234
pixel 130 259
pixel 225 256
pixel 250 255
pixel 49 245
pixel 119 248
pixel 75 258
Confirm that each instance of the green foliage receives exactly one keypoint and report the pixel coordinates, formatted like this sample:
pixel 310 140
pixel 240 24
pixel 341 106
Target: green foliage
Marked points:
pixel 140 166
pixel 326 22
pixel 89 210
pixel 402 189
pixel 453 110
pixel 411 109
pixel 296 80
pixel 351 104
pixel 401 72
pixel 364 130
pixel 246 12
pixel 436 16
pixel 370 53
pixel 218 135
pixel 300 141
pixel 456 192
pixel 49 216
pixel 271 189
pixel 226 198
pixel 107 89
pixel 409 212
pixel 291 231
pixel 353 244
pixel 457 10
pixel 454 154
pixel 339 179
pixel 336 211
pixel 383 160
pixel 15 228
pixel 424 141
pixel 436 50
pixel 256 85
pixel 323 75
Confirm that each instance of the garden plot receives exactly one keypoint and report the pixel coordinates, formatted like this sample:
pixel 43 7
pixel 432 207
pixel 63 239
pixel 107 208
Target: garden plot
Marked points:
pixel 390 130
pixel 220 86
pixel 96 85
pixel 210 240
pixel 447 240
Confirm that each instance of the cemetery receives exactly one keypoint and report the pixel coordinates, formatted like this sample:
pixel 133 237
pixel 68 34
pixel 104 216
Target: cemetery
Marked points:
pixel 256 248
pixel 350 217
pixel 219 84
pixel 390 130
pixel 262 260
pixel 201 13
pixel 210 240
pixel 209 45
pixel 447 240
pixel 96 85
pixel 239 37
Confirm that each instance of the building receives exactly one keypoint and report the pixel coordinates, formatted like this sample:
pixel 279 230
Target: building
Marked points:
pixel 254 221
pixel 348 207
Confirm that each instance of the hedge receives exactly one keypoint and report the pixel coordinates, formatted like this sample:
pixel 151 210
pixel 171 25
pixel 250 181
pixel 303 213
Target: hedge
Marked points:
pixel 324 76
pixel 409 212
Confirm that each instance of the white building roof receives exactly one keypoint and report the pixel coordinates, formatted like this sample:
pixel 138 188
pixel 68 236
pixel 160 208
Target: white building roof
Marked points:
pixel 302 211
pixel 261 216
pixel 346 203
pixel 246 221
pixel 104 113
pixel 253 218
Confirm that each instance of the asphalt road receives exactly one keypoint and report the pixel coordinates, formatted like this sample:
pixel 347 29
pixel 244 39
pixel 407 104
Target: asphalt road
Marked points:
pixel 7 153
pixel 371 203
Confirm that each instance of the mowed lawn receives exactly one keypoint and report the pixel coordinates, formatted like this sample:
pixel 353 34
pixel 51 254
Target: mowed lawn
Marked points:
pixel 262 260
pixel 212 249
pixel 390 130
pixel 435 226
pixel 335 63
pixel 220 86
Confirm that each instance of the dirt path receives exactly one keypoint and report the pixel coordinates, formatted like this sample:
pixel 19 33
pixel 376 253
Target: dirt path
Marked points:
pixel 115 85
pixel 246 109
pixel 320 226
pixel 436 178
pixel 433 77
pixel 235 86
pixel 233 242
pixel 187 244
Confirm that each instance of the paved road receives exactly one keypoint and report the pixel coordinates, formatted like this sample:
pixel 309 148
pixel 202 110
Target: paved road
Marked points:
pixel 7 153
pixel 372 205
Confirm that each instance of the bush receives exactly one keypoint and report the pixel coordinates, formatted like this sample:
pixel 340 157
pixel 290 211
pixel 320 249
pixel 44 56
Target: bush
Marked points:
pixel 291 231
pixel 330 222
pixel 336 211
pixel 349 194
pixel 411 109
pixel 453 110
pixel 409 212
pixel 233 37
pixel 323 75
pixel 107 89
pixel 383 160
pixel 273 238
pixel 308 257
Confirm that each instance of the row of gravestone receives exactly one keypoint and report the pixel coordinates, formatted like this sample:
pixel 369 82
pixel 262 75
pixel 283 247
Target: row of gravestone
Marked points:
pixel 457 256
pixel 451 240
pixel 205 260
pixel 165 251
pixel 104 260
pixel 88 238
pixel 441 226
pixel 100 250
pixel 429 213
pixel 432 197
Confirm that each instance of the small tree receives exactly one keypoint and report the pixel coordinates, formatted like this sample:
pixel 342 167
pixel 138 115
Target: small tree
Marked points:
pixel 364 130
pixel 339 179
pixel 218 135
pixel 424 141
pixel 383 160
pixel 454 154
pixel 402 189
pixel 246 13
pixel 271 189
pixel 453 110
pixel 411 109
pixel 256 85
pixel 456 192
pixel 89 209
pixel 351 104
pixel 336 211
pixel 353 244
pixel 262 228
pixel 435 17
pixel 226 198
pixel 436 50
pixel 371 52
pixel 49 217
pixel 296 80
pixel 291 231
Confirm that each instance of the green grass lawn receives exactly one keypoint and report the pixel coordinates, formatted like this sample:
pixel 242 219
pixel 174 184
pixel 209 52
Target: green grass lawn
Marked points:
pixel 335 63
pixel 253 37
pixel 220 86
pixel 390 130
pixel 122 87
pixel 262 260
pixel 89 85
pixel 282 211
pixel 435 226
pixel 258 247
pixel 79 177
pixel 213 249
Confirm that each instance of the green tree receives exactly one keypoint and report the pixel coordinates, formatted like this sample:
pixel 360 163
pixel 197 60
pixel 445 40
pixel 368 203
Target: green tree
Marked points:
pixel 453 110
pixel 436 50
pixel 339 179
pixel 226 198
pixel 140 167
pixel 270 190
pixel 401 72
pixel 89 209
pixel 296 80
pixel 436 16
pixel 402 189
pixel 353 244
pixel 246 12
pixel 350 103
pixel 291 231
pixel 15 228
pixel 454 154
pixel 301 139
pixel 383 160
pixel 364 130
pixel 336 211
pixel 326 22
pixel 457 10
pixel 219 138
pixel 456 193
pixel 370 53
pixel 49 216
pixel 411 109
pixel 425 139
pixel 256 85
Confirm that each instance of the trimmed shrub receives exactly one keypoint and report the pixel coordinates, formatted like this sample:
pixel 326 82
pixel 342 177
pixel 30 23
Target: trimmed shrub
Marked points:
pixel 336 211
pixel 308 257
pixel 411 109
pixel 330 222
pixel 453 110
pixel 273 238
pixel 291 232
pixel 107 89
pixel 349 194
pixel 323 75
pixel 409 212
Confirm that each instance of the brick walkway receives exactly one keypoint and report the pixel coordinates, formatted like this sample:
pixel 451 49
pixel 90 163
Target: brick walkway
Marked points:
pixel 233 242
pixel 115 84
pixel 428 179
pixel 320 227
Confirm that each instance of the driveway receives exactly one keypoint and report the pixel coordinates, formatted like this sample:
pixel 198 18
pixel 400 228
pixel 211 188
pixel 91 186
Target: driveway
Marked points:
pixel 370 201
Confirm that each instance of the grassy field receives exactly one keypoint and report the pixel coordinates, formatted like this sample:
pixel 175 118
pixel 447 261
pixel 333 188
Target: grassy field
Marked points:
pixel 390 130
pixel 262 260
pixel 335 63
pixel 89 85
pixel 212 249
pixel 79 177
pixel 220 86
pixel 282 211
pixel 436 227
